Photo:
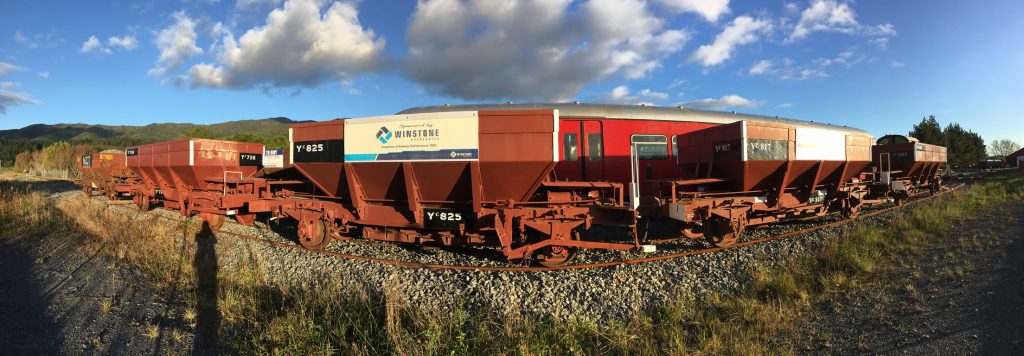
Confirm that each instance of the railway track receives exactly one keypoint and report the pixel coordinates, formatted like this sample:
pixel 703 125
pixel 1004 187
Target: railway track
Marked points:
pixel 410 264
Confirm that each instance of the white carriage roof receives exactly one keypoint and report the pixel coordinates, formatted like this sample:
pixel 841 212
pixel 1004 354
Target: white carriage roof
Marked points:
pixel 636 112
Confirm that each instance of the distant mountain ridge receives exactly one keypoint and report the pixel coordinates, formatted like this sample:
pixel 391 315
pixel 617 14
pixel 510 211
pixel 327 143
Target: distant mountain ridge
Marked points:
pixel 149 133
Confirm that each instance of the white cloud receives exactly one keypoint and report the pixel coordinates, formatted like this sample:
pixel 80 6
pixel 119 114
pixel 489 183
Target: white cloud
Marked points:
pixel 533 49
pixel 621 95
pixel 741 31
pixel 881 30
pixel 43 74
pixel 298 46
pixel 9 68
pixel 177 43
pixel 10 98
pixel 127 42
pixel 898 64
pixel 24 40
pixel 711 10
pixel 825 15
pixel 836 16
pixel 725 102
pixel 761 67
pixel 880 42
pixel 784 106
pixel 91 44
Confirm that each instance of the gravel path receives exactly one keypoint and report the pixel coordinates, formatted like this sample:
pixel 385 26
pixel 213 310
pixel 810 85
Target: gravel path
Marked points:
pixel 59 298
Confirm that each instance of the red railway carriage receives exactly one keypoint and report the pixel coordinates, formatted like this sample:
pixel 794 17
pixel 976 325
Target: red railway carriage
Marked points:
pixel 750 172
pixel 211 177
pixel 105 172
pixel 595 142
pixel 904 167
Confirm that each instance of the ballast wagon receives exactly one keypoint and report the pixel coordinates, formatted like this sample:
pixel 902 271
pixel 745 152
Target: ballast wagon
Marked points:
pixel 449 178
pixel 752 172
pixel 212 178
pixel 105 172
pixel 904 167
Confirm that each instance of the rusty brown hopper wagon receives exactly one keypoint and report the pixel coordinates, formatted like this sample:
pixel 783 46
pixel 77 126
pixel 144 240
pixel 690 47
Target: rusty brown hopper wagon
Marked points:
pixel 105 172
pixel 453 178
pixel 906 167
pixel 754 172
pixel 193 175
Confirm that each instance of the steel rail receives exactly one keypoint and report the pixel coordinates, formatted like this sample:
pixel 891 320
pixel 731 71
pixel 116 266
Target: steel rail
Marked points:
pixel 567 267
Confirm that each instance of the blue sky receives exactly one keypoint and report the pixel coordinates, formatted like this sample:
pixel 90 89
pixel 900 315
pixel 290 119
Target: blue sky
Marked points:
pixel 876 65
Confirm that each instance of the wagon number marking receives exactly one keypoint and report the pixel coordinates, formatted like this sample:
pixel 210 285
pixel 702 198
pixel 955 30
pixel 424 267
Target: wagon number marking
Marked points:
pixel 444 216
pixel 310 148
pixel 248 157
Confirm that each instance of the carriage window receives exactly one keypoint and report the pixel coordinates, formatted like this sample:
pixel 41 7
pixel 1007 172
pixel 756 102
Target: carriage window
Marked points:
pixel 594 149
pixel 650 146
pixel 675 149
pixel 569 147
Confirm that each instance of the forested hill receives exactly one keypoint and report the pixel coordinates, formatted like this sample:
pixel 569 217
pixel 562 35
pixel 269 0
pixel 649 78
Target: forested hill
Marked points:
pixel 273 132
pixel 148 133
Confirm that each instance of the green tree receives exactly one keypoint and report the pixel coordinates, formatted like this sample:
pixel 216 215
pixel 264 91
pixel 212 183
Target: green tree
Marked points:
pixel 929 131
pixel 964 148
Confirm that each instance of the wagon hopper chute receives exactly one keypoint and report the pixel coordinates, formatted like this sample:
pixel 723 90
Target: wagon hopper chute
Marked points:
pixel 452 178
pixel 751 172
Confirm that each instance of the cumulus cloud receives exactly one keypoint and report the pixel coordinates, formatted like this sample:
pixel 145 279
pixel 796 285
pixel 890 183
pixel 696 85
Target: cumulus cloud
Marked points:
pixel 532 49
pixel 24 40
pixel 127 42
pixel 711 10
pixel 91 44
pixel 43 74
pixel 622 95
pixel 9 68
pixel 177 43
pixel 741 31
pixel 298 46
pixel 835 16
pixel 761 67
pixel 725 102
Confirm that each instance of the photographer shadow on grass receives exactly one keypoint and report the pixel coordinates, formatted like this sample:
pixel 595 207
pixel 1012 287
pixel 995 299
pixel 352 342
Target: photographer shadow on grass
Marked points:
pixel 207 314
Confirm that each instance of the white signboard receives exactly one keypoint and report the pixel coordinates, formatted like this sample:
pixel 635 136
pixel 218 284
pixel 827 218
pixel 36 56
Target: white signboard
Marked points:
pixel 273 158
pixel 443 136
pixel 813 144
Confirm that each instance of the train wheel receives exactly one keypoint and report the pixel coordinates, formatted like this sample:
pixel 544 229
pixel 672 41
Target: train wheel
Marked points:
pixel 556 256
pixel 213 221
pixel 142 202
pixel 314 235
pixel 721 232
pixel 245 219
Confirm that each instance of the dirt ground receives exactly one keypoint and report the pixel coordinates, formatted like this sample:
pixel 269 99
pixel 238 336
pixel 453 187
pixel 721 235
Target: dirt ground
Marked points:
pixel 58 298
pixel 962 296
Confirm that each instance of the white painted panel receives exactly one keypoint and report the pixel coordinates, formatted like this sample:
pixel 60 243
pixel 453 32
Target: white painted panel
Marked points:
pixel 814 144
pixel 441 136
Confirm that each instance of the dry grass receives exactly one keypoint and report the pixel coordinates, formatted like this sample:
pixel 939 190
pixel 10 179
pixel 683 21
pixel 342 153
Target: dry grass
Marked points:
pixel 258 317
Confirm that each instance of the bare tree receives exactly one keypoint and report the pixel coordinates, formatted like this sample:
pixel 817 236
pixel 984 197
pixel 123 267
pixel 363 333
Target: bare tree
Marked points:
pixel 1002 148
